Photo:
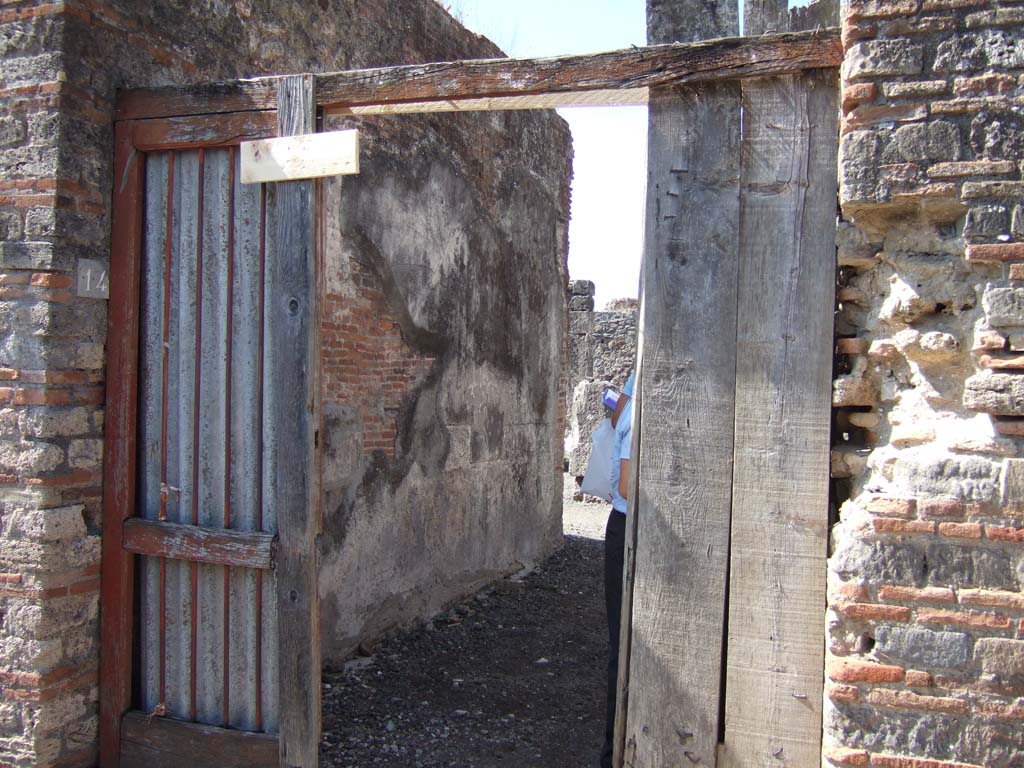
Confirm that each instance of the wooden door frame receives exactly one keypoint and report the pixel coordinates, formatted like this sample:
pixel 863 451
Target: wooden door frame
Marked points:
pixel 166 118
pixel 124 537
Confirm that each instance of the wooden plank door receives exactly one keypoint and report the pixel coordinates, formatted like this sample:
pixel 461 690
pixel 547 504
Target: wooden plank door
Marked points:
pixel 211 455
pixel 727 600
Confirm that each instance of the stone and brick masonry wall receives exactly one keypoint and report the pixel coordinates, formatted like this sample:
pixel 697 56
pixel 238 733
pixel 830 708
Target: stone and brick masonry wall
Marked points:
pixel 926 610
pixel 62 63
pixel 602 350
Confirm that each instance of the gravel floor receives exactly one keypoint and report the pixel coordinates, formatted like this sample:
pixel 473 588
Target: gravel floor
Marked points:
pixel 512 676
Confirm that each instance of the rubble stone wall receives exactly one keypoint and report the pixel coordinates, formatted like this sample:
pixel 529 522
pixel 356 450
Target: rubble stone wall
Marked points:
pixel 602 351
pixel 62 64
pixel 926 611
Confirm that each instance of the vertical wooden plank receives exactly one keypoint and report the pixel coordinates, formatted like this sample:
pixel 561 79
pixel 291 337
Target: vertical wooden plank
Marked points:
pixel 291 375
pixel 687 385
pixel 629 556
pixel 117 569
pixel 783 395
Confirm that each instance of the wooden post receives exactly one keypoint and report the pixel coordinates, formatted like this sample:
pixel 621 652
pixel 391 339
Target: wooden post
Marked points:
pixel 688 386
pixel 779 544
pixel 292 366
pixel 118 571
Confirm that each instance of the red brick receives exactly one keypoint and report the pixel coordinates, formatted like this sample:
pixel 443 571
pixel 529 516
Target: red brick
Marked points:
pixel 985 84
pixel 1000 710
pixel 880 9
pixel 858 93
pixel 14 278
pixel 992 598
pixel 941 507
pixel 58 377
pixel 846 671
pixel 923 26
pixel 51 280
pixel 84 587
pixel 855 592
pixel 889 697
pixel 42 397
pixel 919 679
pixel 874 612
pixel 946 5
pixel 8 374
pixel 996 252
pixel 960 530
pixel 1001 533
pixel 6 393
pixel 1017 271
pixel 883 113
pixel 857 30
pixel 917 595
pixel 846 756
pixel 971 168
pixel 10 578
pixel 891 506
pixel 80 477
pixel 963 618
pixel 843 694
pixel 898 525
pixel 895 761
pixel 11 294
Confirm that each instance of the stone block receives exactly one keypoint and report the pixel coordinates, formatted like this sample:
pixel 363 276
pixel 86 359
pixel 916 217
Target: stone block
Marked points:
pixel 29 458
pixel 1011 488
pixel 1002 657
pixel 927 474
pixel 958 565
pixel 934 141
pixel 997 134
pixel 46 524
pixel 883 57
pixel 581 288
pixel 858 166
pixel 581 303
pixel 48 422
pixel 1004 307
pixel 1003 49
pixel 12 131
pixel 986 221
pixel 85 454
pixel 923 647
pixel 1001 394
pixel 32 255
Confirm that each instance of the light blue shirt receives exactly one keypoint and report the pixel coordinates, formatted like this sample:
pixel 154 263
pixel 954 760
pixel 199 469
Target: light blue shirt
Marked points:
pixel 623 436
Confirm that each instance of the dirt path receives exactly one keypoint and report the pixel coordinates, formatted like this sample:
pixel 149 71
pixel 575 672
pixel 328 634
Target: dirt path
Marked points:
pixel 510 677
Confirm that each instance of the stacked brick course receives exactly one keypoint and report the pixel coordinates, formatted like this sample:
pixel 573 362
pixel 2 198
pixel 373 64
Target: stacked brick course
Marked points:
pixel 926 611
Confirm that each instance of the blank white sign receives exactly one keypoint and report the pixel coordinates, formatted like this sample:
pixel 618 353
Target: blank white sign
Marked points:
pixel 307 156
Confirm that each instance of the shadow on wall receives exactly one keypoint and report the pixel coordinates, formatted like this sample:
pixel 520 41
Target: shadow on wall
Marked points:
pixel 443 341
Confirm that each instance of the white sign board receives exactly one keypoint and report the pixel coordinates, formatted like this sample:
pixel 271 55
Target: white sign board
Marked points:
pixel 307 156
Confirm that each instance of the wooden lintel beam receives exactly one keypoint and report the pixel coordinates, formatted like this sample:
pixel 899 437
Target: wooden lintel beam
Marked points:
pixel 240 549
pixel 160 742
pixel 631 69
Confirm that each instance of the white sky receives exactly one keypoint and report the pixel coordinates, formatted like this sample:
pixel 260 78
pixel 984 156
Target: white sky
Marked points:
pixel 610 143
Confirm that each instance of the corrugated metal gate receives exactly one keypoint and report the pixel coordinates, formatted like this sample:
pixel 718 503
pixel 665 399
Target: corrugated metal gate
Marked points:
pixel 207 636
pixel 210 396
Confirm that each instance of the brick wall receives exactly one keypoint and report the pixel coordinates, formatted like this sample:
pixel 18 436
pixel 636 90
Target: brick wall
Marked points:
pixel 62 64
pixel 926 611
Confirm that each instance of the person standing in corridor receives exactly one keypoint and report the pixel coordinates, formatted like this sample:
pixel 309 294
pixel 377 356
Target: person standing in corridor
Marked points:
pixel 614 552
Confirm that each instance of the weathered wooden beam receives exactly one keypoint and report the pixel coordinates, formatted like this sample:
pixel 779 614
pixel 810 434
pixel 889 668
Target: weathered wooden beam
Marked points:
pixel 210 130
pixel 160 742
pixel 291 427
pixel 623 97
pixel 240 549
pixel 631 68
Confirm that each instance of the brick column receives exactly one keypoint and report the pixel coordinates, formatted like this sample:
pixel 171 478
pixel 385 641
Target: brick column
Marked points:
pixel 51 396
pixel 926 613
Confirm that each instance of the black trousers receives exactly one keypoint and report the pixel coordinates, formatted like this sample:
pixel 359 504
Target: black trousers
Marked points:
pixel 614 552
